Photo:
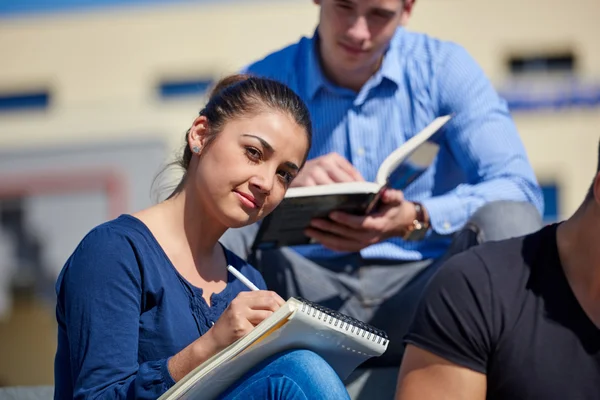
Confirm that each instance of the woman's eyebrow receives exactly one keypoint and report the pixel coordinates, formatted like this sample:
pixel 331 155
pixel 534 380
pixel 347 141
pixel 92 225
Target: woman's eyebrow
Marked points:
pixel 262 141
pixel 270 148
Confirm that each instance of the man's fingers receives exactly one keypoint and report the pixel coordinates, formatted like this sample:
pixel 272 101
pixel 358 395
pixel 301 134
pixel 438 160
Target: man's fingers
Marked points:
pixel 333 242
pixel 321 176
pixel 327 169
pixel 351 221
pixel 392 196
pixel 338 174
pixel 349 169
pixel 337 229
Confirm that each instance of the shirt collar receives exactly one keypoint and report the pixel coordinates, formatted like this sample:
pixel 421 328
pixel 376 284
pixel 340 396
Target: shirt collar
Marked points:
pixel 390 67
pixel 315 79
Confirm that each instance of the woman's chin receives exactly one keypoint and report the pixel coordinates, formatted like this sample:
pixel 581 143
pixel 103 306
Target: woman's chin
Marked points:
pixel 239 220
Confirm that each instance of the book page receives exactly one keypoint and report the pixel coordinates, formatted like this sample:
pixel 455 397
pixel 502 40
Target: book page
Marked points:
pixel 333 189
pixel 340 346
pixel 425 155
pixel 208 368
pixel 295 325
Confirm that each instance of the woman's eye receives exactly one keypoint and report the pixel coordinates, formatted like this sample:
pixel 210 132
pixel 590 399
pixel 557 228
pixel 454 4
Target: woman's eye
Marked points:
pixel 253 153
pixel 286 176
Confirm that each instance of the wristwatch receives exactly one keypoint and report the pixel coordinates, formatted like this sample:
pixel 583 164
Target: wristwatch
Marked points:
pixel 419 227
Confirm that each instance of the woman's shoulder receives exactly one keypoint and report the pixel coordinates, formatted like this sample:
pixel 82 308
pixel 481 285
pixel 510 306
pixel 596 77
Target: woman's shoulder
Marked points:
pixel 112 243
pixel 123 230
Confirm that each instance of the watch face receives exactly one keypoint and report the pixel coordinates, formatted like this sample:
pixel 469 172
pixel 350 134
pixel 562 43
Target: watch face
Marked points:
pixel 417 234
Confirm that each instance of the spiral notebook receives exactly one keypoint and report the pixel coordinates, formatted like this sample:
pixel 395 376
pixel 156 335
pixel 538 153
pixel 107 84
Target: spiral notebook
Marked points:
pixel 344 342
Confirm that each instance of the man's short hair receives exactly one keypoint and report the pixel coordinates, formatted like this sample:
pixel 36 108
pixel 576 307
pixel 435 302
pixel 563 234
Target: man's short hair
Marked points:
pixel 590 193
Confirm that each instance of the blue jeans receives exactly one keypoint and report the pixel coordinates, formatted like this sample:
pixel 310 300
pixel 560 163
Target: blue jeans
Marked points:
pixel 291 375
pixel 384 293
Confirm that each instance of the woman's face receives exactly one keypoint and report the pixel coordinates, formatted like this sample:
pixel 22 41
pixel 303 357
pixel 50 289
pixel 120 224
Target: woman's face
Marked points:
pixel 244 173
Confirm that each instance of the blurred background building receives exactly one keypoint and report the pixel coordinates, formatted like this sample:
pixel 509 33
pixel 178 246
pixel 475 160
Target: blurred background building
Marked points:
pixel 96 96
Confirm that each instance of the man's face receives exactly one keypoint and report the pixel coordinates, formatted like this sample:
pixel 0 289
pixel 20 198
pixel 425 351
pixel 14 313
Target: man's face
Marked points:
pixel 355 34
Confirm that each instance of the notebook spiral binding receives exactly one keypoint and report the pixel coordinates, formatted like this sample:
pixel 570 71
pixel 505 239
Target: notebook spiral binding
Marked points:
pixel 344 321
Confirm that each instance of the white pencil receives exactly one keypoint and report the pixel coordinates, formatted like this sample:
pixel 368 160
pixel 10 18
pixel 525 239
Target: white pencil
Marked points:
pixel 242 278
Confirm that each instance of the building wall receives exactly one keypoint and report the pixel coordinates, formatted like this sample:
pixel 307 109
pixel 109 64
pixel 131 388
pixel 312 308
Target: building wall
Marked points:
pixel 103 67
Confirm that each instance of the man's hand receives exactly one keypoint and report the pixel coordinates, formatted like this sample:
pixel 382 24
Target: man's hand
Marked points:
pixel 330 168
pixel 346 232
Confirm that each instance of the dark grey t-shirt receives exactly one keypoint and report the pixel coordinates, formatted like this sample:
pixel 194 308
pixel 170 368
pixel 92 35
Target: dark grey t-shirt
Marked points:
pixel 506 309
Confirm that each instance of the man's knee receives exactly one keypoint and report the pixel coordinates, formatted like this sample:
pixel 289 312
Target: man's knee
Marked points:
pixel 500 220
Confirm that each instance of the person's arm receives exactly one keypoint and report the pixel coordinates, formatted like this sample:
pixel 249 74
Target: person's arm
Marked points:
pixel 99 296
pixel 452 335
pixel 248 309
pixel 425 376
pixel 483 140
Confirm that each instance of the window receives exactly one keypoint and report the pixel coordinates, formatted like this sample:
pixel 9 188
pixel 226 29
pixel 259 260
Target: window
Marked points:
pixel 172 89
pixel 543 63
pixel 551 192
pixel 33 100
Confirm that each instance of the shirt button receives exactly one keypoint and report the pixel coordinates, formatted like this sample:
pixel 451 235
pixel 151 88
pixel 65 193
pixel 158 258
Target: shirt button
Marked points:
pixel 361 151
pixel 446 225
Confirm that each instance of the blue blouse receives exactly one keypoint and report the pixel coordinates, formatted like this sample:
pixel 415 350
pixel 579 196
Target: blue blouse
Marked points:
pixel 123 310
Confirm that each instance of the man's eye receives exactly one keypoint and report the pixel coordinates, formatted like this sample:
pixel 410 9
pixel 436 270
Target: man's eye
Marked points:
pixel 344 6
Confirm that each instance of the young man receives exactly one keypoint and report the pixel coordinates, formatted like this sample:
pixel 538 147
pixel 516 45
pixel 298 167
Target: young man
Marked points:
pixel 515 319
pixel 370 85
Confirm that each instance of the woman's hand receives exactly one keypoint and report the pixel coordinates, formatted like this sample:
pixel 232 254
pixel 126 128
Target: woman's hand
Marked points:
pixel 246 311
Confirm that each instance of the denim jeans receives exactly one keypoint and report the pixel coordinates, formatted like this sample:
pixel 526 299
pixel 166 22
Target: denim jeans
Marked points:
pixel 291 375
pixel 384 293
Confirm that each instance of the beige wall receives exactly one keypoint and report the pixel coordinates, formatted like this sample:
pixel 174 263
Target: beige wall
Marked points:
pixel 103 67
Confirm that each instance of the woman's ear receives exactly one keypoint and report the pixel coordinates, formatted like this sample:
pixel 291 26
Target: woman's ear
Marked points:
pixel 198 134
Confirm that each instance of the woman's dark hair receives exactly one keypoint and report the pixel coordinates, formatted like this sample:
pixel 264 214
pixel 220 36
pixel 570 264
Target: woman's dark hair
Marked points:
pixel 238 95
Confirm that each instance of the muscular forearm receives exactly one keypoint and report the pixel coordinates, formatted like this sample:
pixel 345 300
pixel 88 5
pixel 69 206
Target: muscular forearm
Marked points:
pixel 425 376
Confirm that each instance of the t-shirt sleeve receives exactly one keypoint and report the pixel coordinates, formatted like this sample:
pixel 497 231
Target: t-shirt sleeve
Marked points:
pixel 99 302
pixel 455 318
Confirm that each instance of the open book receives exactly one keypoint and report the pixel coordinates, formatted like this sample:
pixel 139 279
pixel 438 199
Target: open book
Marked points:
pixel 286 224
pixel 342 341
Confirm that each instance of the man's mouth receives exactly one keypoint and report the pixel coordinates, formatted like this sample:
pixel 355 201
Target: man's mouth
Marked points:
pixel 356 50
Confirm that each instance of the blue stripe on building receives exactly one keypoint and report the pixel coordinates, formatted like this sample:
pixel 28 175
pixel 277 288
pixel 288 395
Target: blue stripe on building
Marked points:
pixel 17 8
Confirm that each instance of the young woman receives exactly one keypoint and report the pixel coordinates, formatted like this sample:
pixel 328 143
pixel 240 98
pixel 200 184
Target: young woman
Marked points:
pixel 147 297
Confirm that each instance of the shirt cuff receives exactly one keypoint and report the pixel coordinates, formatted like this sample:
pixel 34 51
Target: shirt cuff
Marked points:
pixel 168 380
pixel 447 213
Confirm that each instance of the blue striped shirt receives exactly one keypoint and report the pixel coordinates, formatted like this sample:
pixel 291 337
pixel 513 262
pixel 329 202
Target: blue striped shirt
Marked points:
pixel 481 159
